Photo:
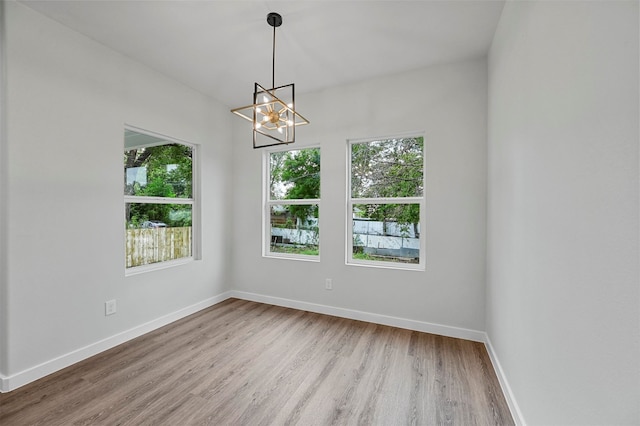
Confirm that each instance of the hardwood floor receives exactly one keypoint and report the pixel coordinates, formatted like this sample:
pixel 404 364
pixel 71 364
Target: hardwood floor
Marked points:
pixel 246 363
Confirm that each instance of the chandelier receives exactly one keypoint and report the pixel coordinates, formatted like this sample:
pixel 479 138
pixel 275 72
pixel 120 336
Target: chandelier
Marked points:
pixel 273 113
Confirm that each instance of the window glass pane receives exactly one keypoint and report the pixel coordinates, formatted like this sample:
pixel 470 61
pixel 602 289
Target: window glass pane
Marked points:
pixel 295 175
pixel 159 171
pixel 386 232
pixel 387 168
pixel 294 229
pixel 144 215
pixel 157 233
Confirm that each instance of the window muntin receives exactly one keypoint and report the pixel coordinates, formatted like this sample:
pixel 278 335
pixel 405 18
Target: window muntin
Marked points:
pixel 386 203
pixel 292 207
pixel 159 202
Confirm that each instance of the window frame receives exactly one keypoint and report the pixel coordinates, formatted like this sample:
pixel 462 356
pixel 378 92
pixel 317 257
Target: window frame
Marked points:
pixel 351 201
pixel 194 201
pixel 267 203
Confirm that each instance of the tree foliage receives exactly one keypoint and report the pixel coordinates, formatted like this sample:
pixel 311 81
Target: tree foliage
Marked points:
pixel 159 171
pixel 388 168
pixel 295 175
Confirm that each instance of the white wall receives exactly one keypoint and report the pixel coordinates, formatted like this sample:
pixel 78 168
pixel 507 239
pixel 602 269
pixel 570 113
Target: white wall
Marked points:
pixel 68 100
pixel 563 277
pixel 448 103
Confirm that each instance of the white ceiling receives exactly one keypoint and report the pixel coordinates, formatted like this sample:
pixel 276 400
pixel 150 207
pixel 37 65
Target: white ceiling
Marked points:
pixel 221 48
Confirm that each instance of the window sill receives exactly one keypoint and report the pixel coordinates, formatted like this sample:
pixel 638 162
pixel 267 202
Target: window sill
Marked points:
pixel 293 257
pixel 157 266
pixel 396 266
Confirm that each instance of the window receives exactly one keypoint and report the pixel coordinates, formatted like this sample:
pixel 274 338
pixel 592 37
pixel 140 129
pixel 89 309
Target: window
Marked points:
pixel 386 205
pixel 292 207
pixel 158 199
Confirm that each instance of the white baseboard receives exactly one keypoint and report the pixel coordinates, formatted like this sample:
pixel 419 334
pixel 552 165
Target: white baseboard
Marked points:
pixel 427 327
pixel 9 383
pixel 504 384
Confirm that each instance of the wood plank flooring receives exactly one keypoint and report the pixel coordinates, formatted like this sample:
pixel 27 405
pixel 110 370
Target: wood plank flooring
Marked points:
pixel 247 363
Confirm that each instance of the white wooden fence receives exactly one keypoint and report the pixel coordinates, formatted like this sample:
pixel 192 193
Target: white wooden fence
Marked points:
pixel 152 245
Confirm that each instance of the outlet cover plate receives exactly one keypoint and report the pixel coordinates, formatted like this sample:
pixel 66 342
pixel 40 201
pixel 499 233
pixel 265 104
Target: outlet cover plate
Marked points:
pixel 110 307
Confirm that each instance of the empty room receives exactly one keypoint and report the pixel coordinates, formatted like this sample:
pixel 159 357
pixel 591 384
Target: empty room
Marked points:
pixel 319 212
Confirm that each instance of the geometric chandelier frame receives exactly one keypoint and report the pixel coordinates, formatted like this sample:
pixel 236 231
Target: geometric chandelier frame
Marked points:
pixel 273 115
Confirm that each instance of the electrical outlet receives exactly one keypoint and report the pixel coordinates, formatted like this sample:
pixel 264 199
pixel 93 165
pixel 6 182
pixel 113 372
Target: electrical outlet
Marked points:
pixel 110 307
pixel 328 284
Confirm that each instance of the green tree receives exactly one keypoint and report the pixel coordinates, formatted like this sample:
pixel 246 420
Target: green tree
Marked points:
pixel 170 163
pixel 276 163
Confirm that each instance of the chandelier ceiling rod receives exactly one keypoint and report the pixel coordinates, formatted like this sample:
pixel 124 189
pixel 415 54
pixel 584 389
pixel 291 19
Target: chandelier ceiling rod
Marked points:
pixel 275 20
pixel 273 60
